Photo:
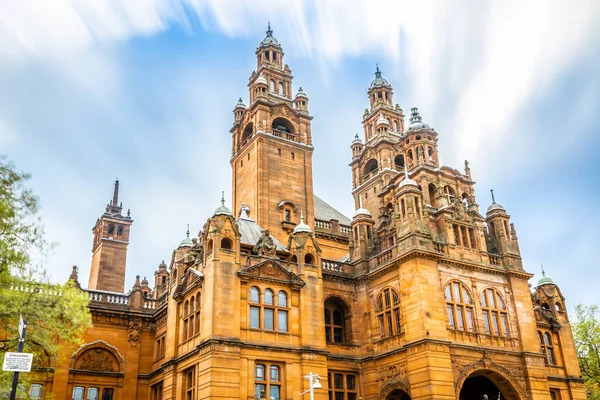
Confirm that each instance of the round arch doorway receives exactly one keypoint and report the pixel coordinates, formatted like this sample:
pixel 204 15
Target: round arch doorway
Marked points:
pixel 487 385
pixel 397 395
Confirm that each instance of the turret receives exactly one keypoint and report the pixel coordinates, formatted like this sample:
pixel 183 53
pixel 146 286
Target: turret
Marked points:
pixel 502 235
pixel 362 233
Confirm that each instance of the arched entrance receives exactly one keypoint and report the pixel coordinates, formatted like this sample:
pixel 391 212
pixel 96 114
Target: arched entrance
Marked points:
pixel 398 394
pixel 487 383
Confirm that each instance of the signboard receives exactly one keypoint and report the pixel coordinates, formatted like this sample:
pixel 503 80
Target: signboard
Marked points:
pixel 17 362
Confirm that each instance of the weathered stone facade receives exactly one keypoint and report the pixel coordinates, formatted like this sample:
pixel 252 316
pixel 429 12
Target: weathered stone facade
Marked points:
pixel 418 296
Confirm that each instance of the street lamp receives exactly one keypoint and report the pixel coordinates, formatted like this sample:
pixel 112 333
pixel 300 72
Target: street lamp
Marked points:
pixel 313 380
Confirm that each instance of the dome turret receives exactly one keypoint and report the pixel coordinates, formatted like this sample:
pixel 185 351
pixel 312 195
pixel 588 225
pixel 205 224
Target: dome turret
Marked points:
pixel 379 80
pixel 269 39
pixel 407 181
pixel 495 206
pixel 302 227
pixel 356 140
pixel 240 103
pixel 222 209
pixel 416 122
pixel 301 93
pixel 545 280
pixel 361 211
pixel 186 242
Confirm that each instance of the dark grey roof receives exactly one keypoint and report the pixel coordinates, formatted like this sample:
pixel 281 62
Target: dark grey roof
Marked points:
pixel 251 232
pixel 325 212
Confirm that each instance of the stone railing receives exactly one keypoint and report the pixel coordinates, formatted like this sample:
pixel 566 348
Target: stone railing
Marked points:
pixel 386 255
pixel 440 247
pixel 494 260
pixel 332 227
pixel 111 298
pixel 151 304
pixel 285 135
pixel 334 267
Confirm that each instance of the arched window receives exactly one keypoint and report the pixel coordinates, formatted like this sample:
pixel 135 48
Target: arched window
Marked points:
pixel 282 299
pixel 111 229
pixel 272 86
pixel 226 244
pixel 459 307
pixel 395 126
pixel 399 161
pixel 209 247
pixel 282 125
pixel 410 158
pixel 281 92
pixel 558 307
pixel 547 347
pixel 432 193
pixel 495 318
pixel 248 130
pixel 267 314
pixel 371 166
pixel 309 259
pixel 388 312
pixel 430 157
pixel 334 322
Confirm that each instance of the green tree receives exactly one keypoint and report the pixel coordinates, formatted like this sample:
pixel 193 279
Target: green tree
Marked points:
pixel 56 314
pixel 586 332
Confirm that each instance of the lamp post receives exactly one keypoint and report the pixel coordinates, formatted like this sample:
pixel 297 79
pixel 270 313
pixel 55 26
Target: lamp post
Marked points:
pixel 313 381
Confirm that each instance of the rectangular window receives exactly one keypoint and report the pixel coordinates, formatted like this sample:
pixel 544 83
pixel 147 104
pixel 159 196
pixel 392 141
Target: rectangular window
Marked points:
pixel 338 381
pixel 470 319
pixel 282 321
pixel 274 392
pixel 343 387
pixel 460 318
pixel 267 384
pixel 189 383
pixel 293 156
pixel 381 326
pixel 260 390
pixel 450 316
pixel 255 317
pixel 486 322
pixel 495 321
pixel 92 393
pixel 156 391
pixel 504 324
pixel 269 316
pixel 78 392
pixel 108 393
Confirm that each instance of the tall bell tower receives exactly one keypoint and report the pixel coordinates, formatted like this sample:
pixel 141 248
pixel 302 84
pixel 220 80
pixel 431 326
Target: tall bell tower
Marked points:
pixel 111 237
pixel 272 146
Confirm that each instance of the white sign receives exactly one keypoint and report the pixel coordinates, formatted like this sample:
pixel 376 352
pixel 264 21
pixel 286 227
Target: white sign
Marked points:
pixel 17 362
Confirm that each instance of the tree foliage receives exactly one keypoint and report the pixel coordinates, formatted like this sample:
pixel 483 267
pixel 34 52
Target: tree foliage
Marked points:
pixel 586 332
pixel 56 314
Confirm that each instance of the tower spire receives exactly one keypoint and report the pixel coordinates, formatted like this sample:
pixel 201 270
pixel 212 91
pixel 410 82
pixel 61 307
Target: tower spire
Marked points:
pixel 269 30
pixel 115 201
pixel 493 199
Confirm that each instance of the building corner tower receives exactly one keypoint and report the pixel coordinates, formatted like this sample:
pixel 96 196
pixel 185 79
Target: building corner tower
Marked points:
pixel 109 250
pixel 272 147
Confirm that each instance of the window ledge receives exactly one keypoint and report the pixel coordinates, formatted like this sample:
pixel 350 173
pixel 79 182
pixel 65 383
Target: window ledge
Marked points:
pixel 269 331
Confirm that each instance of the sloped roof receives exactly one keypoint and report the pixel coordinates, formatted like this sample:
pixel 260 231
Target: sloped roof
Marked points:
pixel 325 212
pixel 251 232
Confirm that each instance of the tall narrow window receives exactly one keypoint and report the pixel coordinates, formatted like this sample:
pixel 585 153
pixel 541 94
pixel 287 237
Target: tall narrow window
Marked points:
pixel 190 383
pixel 78 392
pixel 108 393
pixel 495 317
pixel 191 317
pixel 281 92
pixel 267 381
pixel 92 393
pixel 388 312
pixel 334 322
pixel 459 307
pixel 547 347
pixel 272 86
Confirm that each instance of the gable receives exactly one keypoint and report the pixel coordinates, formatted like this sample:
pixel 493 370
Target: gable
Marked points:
pixel 270 271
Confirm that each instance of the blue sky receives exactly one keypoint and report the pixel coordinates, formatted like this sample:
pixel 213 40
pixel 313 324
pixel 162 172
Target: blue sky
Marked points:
pixel 143 91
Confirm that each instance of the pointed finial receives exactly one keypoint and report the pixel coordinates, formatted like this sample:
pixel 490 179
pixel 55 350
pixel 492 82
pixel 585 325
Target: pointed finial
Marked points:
pixel 223 198
pixel 414 115
pixel 377 72
pixel 493 199
pixel 543 272
pixel 301 217
pixel 115 200
pixel 269 31
pixel 187 233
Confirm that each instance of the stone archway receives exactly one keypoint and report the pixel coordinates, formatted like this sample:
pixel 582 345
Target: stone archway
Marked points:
pixel 397 389
pixel 490 379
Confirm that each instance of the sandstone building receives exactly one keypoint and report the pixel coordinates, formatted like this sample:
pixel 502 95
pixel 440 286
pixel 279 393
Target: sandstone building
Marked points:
pixel 420 295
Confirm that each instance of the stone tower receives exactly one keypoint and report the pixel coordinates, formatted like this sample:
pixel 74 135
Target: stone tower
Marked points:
pixel 111 237
pixel 272 147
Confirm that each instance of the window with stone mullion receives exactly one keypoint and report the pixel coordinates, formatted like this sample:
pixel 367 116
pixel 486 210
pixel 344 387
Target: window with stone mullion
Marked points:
pixel 342 386
pixel 495 316
pixel 267 381
pixel 388 313
pixel 459 307
pixel 271 313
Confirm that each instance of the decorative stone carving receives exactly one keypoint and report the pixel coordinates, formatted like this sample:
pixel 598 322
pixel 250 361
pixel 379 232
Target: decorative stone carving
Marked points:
pixel 265 245
pixel 135 332
pixel 96 360
pixel 195 255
